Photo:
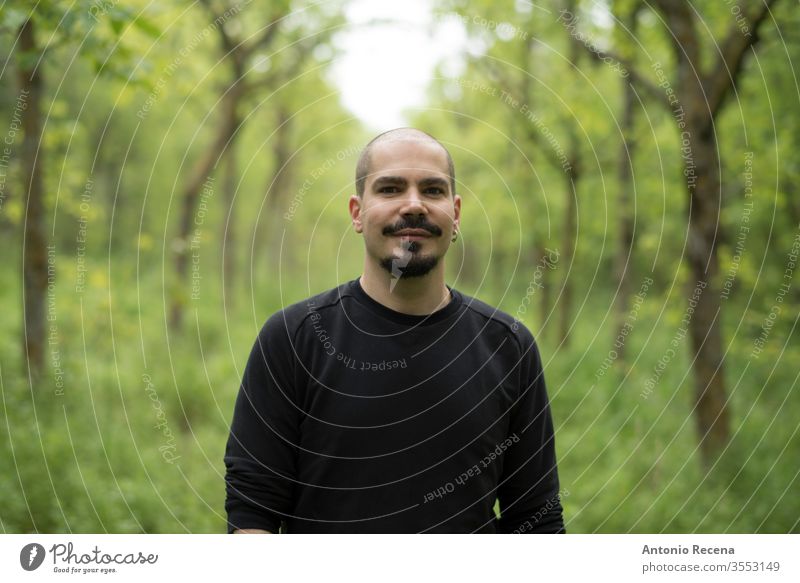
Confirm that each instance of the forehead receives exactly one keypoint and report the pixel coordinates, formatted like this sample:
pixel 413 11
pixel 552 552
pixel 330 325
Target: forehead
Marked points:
pixel 407 155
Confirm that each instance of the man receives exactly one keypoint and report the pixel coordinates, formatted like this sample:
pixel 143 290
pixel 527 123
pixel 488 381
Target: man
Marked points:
pixel 394 403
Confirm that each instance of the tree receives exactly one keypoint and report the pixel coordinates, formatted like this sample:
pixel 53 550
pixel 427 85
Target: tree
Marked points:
pixel 572 174
pixel 695 97
pixel 702 95
pixel 519 75
pixel 627 203
pixel 34 246
pixel 60 25
pixel 236 54
pixel 239 50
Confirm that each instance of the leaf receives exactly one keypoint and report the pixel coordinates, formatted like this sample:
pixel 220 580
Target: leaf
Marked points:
pixel 116 24
pixel 148 27
pixel 12 18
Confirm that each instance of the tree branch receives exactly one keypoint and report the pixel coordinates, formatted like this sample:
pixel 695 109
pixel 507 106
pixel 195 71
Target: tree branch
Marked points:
pixel 229 44
pixel 651 89
pixel 726 71
pixel 266 37
pixel 598 55
pixel 531 133
pixel 680 20
pixel 301 51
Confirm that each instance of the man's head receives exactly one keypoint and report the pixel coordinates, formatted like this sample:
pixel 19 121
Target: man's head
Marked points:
pixel 364 160
pixel 406 205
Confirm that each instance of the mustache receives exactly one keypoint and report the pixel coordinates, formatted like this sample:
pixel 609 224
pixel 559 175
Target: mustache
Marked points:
pixel 411 223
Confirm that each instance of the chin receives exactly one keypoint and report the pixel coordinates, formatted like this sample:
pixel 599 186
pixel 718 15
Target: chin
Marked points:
pixel 405 268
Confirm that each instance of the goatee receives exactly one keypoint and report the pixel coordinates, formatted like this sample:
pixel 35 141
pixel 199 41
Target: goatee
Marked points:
pixel 409 264
pixel 415 267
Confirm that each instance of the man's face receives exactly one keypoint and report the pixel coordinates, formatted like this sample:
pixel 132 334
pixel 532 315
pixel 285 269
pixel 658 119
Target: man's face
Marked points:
pixel 408 212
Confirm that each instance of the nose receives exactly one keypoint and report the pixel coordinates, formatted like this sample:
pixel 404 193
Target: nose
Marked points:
pixel 413 203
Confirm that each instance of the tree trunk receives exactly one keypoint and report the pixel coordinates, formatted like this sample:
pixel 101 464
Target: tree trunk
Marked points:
pixel 228 225
pixel 571 175
pixel 569 236
pixel 542 285
pixel 792 203
pixel 226 132
pixel 625 210
pixel 700 100
pixel 34 249
pixel 277 192
pixel 711 414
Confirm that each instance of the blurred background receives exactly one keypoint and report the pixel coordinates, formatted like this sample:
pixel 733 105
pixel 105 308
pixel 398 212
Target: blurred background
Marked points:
pixel 172 173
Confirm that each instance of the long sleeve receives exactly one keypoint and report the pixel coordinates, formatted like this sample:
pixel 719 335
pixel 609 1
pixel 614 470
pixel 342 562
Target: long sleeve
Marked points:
pixel 261 452
pixel 529 489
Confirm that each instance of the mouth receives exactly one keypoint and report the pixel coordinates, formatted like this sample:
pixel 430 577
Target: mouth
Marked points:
pixel 412 234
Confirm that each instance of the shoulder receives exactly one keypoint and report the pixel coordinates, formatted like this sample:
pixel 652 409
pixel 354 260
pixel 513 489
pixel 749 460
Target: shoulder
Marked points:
pixel 287 321
pixel 505 323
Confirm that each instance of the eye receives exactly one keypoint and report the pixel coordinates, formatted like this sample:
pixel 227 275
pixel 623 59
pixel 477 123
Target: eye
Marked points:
pixel 388 189
pixel 434 190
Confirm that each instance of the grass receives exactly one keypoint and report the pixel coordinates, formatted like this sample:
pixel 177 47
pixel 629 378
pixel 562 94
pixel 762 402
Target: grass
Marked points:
pixel 93 459
pixel 632 464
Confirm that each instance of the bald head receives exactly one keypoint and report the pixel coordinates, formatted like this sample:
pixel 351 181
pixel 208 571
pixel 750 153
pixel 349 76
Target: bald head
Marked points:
pixel 363 167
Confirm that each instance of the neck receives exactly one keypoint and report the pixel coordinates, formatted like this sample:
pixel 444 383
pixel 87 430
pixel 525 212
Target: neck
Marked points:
pixel 418 296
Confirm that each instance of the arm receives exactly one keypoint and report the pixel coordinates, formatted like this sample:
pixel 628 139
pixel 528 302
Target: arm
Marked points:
pixel 528 491
pixel 260 457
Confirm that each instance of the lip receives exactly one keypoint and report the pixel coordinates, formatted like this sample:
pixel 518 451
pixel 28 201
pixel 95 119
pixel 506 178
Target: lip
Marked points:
pixel 413 233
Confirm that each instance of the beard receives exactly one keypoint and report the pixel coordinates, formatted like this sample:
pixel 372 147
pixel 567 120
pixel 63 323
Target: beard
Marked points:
pixel 410 263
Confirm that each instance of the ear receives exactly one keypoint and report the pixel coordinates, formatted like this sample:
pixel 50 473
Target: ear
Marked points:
pixel 355 212
pixel 456 212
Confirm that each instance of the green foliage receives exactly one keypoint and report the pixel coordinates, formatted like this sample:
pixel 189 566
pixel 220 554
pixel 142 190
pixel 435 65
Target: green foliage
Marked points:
pixel 134 441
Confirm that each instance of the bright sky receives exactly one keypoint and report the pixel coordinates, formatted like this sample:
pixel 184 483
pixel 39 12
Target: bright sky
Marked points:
pixel 388 57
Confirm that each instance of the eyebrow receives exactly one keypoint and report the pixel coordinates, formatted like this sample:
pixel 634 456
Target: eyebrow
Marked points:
pixel 400 181
pixel 435 181
pixel 391 180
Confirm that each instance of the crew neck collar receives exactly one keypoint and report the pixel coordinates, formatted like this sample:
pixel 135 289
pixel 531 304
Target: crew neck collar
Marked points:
pixel 399 317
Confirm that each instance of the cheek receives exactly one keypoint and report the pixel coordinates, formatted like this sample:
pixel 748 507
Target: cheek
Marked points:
pixel 445 214
pixel 378 216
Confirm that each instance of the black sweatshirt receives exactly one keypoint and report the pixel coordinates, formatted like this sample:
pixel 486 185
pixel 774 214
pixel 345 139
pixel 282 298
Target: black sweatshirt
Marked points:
pixel 352 417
